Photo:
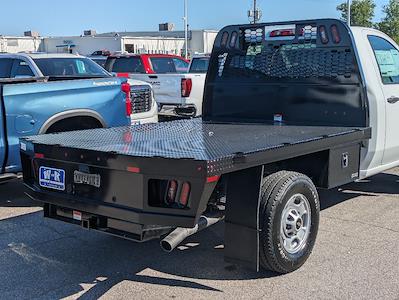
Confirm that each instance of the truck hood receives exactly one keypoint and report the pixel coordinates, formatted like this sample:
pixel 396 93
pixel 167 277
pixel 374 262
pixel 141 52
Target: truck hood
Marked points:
pixel 134 82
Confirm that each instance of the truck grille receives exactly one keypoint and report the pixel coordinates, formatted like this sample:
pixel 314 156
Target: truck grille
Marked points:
pixel 141 99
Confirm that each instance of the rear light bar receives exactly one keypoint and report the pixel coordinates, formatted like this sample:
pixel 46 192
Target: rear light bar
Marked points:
pixel 126 88
pixel 335 34
pixel 225 38
pixel 186 87
pixel 282 32
pixel 323 34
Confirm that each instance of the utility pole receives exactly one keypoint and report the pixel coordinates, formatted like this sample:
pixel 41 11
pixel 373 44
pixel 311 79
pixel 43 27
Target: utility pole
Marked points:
pixel 349 12
pixel 185 29
pixel 254 14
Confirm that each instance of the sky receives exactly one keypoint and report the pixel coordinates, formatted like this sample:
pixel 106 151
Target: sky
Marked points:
pixel 71 17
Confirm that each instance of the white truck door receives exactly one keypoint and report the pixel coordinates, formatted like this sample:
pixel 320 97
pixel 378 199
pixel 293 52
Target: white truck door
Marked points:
pixel 387 57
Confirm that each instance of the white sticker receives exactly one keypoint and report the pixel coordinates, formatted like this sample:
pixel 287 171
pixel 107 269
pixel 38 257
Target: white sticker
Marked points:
pixel 278 118
pixel 77 215
pixel 23 146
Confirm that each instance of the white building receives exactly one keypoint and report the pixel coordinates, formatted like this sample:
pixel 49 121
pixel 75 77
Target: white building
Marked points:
pixel 14 44
pixel 165 42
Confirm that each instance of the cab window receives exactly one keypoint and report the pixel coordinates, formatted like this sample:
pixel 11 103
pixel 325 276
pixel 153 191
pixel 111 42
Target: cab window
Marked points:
pixel 21 69
pixel 5 67
pixel 387 57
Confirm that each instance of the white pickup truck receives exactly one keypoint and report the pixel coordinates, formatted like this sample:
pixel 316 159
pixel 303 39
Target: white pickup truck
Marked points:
pixel 186 100
pixel 177 94
pixel 288 107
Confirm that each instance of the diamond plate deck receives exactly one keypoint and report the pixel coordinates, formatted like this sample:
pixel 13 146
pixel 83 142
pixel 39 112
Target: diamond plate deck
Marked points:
pixel 190 139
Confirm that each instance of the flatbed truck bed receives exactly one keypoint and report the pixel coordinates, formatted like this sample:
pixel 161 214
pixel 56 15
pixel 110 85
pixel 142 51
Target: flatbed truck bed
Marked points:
pixel 286 111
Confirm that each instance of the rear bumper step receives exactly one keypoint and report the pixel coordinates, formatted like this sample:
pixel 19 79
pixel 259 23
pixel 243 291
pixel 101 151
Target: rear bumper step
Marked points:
pixel 124 229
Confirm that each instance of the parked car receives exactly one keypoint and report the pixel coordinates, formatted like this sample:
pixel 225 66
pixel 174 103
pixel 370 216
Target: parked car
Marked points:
pixel 146 64
pixel 100 60
pixel 177 94
pixel 288 107
pixel 155 69
pixel 47 93
pixel 187 99
pixel 70 66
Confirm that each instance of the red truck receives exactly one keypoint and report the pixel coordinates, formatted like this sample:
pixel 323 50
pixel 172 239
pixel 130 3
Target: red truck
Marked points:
pixel 146 63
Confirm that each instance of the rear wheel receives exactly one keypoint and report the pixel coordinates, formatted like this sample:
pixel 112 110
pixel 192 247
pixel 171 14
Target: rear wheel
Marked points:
pixel 289 219
pixel 74 123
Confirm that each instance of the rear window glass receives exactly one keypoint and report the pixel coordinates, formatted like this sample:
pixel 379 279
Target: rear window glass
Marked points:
pixel 199 65
pixel 181 65
pixel 5 67
pixel 124 65
pixel 163 65
pixel 69 67
pixel 21 69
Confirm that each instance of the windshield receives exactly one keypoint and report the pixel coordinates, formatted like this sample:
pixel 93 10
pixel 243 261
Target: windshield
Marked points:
pixel 70 67
pixel 199 65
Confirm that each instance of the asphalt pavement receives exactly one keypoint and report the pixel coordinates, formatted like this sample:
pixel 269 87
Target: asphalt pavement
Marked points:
pixel 356 255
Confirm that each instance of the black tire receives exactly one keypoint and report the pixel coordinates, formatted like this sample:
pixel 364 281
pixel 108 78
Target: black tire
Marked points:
pixel 277 190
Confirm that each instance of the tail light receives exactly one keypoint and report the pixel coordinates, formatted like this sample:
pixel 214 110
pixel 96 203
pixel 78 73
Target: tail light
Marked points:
pixel 282 32
pixel 171 192
pixel 335 34
pixel 225 37
pixel 323 34
pixel 126 88
pixel 186 86
pixel 233 39
pixel 184 194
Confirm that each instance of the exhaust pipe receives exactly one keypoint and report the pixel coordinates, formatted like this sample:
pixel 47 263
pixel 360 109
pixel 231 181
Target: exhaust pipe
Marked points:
pixel 173 239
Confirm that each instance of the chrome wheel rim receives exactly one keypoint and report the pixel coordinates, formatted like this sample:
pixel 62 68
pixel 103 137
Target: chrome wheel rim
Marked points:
pixel 295 223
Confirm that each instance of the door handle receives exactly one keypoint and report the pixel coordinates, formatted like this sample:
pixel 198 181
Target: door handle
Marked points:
pixel 153 76
pixel 393 100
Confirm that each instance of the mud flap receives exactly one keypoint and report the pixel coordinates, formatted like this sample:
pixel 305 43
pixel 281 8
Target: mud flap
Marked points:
pixel 242 217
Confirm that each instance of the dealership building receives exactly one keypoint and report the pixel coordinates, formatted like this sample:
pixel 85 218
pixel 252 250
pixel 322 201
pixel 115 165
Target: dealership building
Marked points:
pixel 162 42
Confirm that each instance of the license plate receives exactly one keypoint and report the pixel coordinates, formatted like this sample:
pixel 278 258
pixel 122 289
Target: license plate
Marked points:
pixel 88 179
pixel 52 178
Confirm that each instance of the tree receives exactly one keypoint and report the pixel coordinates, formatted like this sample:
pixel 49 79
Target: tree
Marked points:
pixel 390 23
pixel 362 12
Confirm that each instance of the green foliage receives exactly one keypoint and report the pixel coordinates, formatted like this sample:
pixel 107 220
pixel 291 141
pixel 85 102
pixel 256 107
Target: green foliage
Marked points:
pixel 390 23
pixel 362 12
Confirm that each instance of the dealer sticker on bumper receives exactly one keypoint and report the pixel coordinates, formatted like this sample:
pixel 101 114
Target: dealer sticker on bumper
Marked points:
pixel 52 178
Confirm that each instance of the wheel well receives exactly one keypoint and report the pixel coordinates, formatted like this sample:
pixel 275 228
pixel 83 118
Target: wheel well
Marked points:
pixel 74 123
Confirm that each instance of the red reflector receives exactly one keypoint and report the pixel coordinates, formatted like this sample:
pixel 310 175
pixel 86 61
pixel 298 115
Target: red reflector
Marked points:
pixel 123 75
pixel 126 88
pixel 185 193
pixel 133 169
pixel 171 192
pixel 212 179
pixel 186 86
pixel 335 34
pixel 39 155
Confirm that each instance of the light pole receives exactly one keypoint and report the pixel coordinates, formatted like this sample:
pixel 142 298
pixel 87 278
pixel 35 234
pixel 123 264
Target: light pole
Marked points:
pixel 349 13
pixel 185 29
pixel 255 14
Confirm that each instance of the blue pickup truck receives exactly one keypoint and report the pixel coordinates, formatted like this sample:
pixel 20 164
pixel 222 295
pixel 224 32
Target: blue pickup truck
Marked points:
pixel 32 104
